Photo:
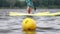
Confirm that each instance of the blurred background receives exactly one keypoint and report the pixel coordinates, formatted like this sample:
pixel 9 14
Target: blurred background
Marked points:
pixel 22 4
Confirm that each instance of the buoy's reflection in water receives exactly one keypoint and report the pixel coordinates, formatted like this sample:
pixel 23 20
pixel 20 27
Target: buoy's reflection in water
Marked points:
pixel 29 32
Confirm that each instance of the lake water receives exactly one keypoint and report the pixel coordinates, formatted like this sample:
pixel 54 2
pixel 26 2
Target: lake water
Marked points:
pixel 12 25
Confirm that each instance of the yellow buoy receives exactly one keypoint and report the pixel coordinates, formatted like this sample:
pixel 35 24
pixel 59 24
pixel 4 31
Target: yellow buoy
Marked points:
pixel 29 32
pixel 28 24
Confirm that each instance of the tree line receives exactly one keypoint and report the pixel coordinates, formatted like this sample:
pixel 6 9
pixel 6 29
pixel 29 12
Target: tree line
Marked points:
pixel 22 4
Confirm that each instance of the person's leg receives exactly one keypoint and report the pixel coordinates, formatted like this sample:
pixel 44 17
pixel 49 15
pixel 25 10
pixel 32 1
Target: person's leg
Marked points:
pixel 29 10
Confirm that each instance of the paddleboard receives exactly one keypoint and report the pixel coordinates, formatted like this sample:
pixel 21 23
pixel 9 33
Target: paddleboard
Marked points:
pixel 36 14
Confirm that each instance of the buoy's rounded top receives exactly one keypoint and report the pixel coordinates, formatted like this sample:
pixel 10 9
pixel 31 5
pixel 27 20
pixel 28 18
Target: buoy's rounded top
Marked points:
pixel 29 24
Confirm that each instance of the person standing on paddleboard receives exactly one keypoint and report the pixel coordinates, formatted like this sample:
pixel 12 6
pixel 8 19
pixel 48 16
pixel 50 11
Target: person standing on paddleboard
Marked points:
pixel 29 6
